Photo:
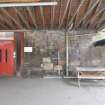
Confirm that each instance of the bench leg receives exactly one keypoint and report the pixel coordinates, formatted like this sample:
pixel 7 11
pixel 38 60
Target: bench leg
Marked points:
pixel 59 72
pixel 79 82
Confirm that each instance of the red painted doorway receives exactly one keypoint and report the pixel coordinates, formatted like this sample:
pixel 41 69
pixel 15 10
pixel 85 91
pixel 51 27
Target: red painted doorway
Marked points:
pixel 7 67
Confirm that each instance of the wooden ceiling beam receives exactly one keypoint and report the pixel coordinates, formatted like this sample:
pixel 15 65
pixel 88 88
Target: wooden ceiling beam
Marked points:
pixel 3 26
pixel 70 24
pixel 98 24
pixel 101 27
pixel 32 16
pixel 65 11
pixel 93 22
pixel 95 16
pixel 69 13
pixel 22 17
pixel 5 20
pixel 91 2
pixel 83 9
pixel 12 18
pixel 42 15
pixel 60 11
pixel 88 12
pixel 52 16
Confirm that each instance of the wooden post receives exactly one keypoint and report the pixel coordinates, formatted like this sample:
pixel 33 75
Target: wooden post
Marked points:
pixel 19 39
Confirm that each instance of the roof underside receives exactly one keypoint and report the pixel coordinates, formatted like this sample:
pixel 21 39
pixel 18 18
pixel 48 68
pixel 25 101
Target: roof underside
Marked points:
pixel 67 14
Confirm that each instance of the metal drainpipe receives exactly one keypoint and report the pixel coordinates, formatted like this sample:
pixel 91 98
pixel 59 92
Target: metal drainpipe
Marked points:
pixel 67 53
pixel 67 47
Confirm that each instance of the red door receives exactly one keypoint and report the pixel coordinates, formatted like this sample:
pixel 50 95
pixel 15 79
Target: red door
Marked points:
pixel 7 67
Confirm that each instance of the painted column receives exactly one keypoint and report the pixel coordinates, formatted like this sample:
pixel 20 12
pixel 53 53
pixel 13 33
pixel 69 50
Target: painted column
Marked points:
pixel 67 54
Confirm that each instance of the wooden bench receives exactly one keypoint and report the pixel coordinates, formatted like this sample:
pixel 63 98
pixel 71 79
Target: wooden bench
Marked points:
pixel 89 70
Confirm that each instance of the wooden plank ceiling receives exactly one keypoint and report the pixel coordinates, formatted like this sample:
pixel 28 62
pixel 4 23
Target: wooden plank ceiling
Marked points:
pixel 67 14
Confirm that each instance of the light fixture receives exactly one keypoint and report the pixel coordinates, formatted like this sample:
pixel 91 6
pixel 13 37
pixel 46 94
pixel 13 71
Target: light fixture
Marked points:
pixel 5 5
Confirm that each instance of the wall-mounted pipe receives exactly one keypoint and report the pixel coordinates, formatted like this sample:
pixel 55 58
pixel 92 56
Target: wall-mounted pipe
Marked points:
pixel 5 5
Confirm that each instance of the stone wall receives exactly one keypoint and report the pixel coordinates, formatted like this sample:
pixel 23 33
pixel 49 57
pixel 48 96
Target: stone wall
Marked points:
pixel 46 44
pixel 83 53
pixel 81 50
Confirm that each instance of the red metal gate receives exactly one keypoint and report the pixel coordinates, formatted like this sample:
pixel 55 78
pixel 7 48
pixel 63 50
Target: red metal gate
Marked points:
pixel 7 67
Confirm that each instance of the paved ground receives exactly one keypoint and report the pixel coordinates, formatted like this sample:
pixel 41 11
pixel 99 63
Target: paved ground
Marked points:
pixel 18 91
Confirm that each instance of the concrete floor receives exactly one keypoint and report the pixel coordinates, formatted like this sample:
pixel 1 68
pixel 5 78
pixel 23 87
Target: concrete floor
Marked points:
pixel 35 91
